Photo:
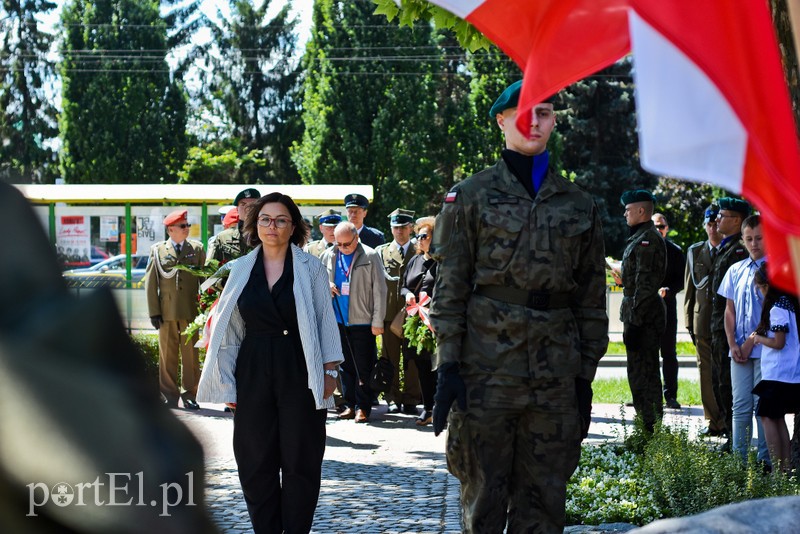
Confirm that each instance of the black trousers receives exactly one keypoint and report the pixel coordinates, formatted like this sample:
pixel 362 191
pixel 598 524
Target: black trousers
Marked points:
pixel 278 436
pixel 360 353
pixel 427 380
pixel 669 352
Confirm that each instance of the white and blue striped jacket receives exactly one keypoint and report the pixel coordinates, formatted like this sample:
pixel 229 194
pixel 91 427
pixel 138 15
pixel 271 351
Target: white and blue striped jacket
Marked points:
pixel 319 334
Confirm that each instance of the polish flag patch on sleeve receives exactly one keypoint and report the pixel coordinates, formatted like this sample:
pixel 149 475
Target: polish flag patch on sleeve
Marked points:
pixel 450 197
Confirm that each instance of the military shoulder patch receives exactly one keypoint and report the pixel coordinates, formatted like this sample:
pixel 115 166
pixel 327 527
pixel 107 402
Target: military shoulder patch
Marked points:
pixel 740 251
pixel 645 243
pixel 450 197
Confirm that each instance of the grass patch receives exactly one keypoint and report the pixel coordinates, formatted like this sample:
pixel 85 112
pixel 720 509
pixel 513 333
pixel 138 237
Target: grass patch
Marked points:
pixel 684 348
pixel 617 391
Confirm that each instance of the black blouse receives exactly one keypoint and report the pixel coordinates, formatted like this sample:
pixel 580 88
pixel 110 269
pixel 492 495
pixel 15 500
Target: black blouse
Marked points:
pixel 418 267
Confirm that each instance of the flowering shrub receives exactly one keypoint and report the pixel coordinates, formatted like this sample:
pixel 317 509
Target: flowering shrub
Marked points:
pixel 607 487
pixel 665 474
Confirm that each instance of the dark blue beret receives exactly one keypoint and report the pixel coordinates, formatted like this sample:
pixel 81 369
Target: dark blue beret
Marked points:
pixel 711 213
pixel 734 204
pixel 636 195
pixel 356 200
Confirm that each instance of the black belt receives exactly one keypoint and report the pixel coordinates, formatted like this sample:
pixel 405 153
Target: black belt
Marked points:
pixel 537 300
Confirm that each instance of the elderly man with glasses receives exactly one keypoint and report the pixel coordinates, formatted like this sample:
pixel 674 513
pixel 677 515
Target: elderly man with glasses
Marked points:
pixel 172 305
pixel 358 288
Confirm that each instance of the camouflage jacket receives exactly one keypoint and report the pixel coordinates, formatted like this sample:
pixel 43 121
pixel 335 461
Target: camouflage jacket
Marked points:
pixel 644 263
pixel 731 252
pixel 491 233
pixel 227 245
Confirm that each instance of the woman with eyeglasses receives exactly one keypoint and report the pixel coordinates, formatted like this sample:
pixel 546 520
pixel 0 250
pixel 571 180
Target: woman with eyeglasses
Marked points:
pixel 420 276
pixel 273 355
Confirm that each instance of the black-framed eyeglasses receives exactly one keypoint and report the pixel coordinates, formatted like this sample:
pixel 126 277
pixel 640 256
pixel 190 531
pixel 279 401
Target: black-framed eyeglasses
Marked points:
pixel 280 222
pixel 344 245
pixel 423 237
pixel 661 226
pixel 183 226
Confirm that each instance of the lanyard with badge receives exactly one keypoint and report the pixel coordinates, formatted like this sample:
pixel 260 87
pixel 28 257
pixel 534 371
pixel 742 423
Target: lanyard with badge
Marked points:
pixel 346 270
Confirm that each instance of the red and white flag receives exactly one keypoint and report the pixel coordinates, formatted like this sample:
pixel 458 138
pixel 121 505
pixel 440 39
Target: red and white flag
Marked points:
pixel 712 102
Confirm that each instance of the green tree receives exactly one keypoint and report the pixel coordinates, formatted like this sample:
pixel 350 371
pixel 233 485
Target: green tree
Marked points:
pixel 255 86
pixel 123 118
pixel 383 105
pixel 28 116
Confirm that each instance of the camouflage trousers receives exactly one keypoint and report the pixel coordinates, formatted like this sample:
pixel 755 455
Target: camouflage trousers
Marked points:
pixel 513 450
pixel 644 376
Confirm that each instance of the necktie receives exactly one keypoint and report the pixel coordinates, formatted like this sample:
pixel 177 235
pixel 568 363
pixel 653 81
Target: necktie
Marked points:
pixel 402 255
pixel 714 252
pixel 178 250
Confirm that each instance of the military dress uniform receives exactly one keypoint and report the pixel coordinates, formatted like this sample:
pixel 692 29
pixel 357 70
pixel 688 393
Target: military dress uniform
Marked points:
pixel 732 250
pixel 643 315
pixel 697 307
pixel 393 347
pixel 172 294
pixel 673 281
pixel 372 237
pixel 316 248
pixel 521 306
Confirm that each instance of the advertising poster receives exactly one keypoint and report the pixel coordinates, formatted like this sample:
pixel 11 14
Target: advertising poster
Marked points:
pixel 109 228
pixel 149 230
pixel 73 240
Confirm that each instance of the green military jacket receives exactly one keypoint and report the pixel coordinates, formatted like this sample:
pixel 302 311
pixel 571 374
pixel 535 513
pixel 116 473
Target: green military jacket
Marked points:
pixel 227 245
pixel 492 233
pixel 395 267
pixel 644 263
pixel 171 293
pixel 730 252
pixel 697 284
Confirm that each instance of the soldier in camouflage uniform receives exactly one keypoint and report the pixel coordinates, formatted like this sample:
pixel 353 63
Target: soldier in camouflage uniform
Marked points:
pixel 328 220
pixel 519 313
pixel 643 312
pixel 228 244
pixel 732 250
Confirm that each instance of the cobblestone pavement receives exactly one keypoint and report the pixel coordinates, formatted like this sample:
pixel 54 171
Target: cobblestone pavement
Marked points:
pixel 385 476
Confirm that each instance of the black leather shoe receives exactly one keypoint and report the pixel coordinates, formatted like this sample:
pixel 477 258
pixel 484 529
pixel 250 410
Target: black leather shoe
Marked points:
pixel 393 408
pixel 190 404
pixel 673 404
pixel 170 403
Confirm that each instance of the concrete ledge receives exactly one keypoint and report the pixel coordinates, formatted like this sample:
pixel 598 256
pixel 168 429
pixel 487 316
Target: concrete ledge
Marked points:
pixel 620 360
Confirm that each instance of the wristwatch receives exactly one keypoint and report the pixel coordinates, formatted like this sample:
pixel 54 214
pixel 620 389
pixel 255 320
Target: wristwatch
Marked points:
pixel 333 373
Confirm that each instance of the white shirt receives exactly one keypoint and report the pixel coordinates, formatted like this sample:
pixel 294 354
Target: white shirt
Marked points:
pixel 738 286
pixel 782 365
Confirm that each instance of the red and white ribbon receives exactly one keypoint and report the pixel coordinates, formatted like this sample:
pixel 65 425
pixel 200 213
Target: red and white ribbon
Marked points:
pixel 421 308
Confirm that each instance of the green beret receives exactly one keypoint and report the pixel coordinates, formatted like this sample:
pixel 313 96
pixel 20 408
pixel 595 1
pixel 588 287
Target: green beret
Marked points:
pixel 734 204
pixel 510 98
pixel 636 195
